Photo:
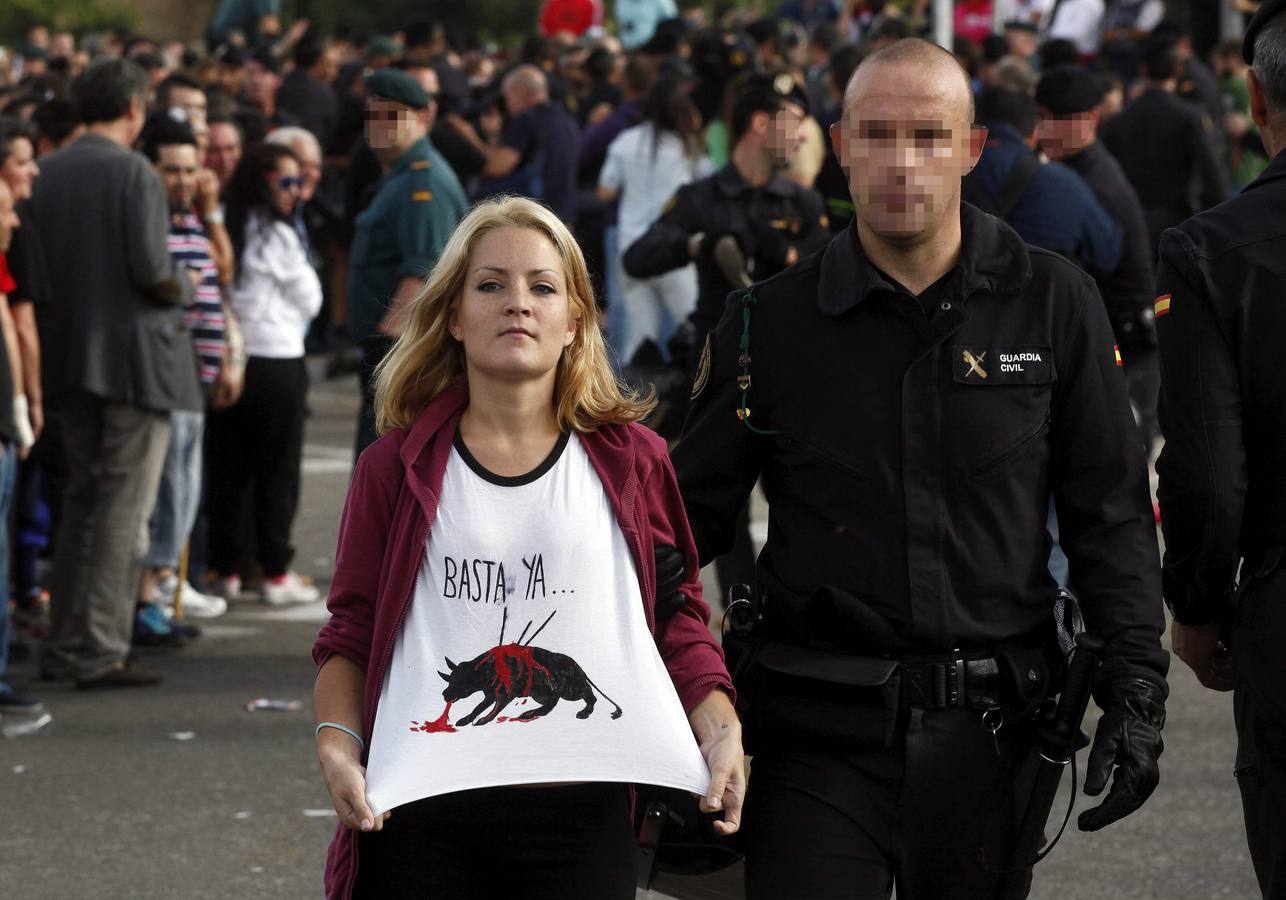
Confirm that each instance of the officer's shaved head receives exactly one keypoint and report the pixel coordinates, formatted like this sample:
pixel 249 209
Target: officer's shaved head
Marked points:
pixel 906 139
pixel 1270 62
pixel 922 66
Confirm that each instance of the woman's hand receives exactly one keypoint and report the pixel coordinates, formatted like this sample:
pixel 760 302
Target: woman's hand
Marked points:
pixel 345 778
pixel 718 732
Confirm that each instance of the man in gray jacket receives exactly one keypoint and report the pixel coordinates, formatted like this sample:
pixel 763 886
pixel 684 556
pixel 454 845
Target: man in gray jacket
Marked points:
pixel 118 358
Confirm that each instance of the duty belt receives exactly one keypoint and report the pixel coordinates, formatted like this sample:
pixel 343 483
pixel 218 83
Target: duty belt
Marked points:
pixel 949 682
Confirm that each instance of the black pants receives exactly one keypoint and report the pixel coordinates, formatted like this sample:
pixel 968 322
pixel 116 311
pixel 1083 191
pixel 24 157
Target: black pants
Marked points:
pixel 932 813
pixel 560 843
pixel 254 450
pixel 1259 706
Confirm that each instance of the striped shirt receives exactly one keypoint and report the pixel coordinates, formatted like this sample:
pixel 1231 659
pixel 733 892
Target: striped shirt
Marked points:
pixel 190 247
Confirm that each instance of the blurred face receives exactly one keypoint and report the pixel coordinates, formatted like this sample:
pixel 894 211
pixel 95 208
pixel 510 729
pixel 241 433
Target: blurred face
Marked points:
pixel 233 80
pixel 261 83
pixel 327 68
pixel 1063 136
pixel 8 218
pixel 428 79
pixel 285 184
pixel 518 99
pixel 62 46
pixel 782 133
pixel 193 104
pixel 310 167
pixel 19 169
pixel 390 126
pixel 905 142
pixel 224 151
pixel 177 164
pixel 514 315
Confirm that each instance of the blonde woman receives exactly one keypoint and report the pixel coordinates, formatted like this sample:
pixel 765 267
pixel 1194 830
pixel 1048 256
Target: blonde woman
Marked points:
pixel 499 554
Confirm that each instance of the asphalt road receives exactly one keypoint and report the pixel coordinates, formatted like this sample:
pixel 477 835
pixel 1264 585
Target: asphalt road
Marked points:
pixel 180 792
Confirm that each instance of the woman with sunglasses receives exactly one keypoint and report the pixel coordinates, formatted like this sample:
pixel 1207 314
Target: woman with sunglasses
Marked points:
pixel 254 448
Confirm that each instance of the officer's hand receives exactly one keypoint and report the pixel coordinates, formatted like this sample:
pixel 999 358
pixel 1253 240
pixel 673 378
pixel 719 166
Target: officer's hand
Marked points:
pixel 671 570
pixel 1129 739
pixel 1199 647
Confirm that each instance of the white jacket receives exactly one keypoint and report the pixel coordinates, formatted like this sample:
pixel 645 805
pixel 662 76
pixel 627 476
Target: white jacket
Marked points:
pixel 276 292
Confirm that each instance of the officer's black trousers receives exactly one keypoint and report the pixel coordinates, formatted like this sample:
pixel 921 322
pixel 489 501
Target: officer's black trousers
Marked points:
pixel 924 813
pixel 1259 704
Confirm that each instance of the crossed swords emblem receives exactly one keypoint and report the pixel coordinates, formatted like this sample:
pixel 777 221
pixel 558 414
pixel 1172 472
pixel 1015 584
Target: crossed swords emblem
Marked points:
pixel 975 364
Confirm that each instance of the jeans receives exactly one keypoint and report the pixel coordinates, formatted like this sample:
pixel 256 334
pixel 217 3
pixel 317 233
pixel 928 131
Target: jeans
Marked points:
pixel 179 496
pixel 8 471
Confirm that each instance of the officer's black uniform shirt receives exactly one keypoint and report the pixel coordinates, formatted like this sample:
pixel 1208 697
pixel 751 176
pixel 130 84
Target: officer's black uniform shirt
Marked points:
pixel 765 220
pixel 1220 322
pixel 1163 145
pixel 1127 289
pixel 906 488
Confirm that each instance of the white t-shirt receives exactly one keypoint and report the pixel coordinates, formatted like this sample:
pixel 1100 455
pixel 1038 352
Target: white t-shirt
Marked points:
pixel 574 690
pixel 646 180
pixel 1078 21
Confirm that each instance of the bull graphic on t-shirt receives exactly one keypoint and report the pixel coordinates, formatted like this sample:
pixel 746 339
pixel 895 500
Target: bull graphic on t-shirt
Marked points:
pixel 509 671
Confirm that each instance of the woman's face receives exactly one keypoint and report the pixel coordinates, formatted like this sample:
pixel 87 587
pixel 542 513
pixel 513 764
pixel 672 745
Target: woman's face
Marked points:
pixel 19 168
pixel 514 316
pixel 284 185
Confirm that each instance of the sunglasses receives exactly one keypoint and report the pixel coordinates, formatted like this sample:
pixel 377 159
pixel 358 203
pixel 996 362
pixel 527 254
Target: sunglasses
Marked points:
pixel 287 183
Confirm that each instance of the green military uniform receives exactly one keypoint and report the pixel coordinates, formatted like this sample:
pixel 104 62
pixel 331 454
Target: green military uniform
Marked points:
pixel 400 235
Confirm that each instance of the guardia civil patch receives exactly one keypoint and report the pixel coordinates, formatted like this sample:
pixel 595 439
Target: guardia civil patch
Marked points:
pixel 1002 365
pixel 703 370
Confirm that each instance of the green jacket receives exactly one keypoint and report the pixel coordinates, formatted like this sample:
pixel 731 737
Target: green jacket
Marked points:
pixel 401 234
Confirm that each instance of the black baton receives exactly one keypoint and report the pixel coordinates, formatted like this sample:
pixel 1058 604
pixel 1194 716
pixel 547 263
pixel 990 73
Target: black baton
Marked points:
pixel 1057 742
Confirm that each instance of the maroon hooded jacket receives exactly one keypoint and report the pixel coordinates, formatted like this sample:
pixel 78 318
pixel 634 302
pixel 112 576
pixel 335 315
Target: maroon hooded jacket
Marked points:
pixel 384 531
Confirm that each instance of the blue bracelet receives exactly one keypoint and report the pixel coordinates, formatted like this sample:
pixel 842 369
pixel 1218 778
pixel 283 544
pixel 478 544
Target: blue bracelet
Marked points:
pixel 344 728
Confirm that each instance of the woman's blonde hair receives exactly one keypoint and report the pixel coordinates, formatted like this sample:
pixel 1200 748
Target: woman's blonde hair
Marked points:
pixel 426 359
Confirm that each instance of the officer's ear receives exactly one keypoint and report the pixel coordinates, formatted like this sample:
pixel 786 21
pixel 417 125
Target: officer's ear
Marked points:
pixel 1258 101
pixel 977 141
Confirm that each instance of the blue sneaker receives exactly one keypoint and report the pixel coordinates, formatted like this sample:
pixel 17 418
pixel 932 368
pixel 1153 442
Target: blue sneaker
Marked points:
pixel 152 629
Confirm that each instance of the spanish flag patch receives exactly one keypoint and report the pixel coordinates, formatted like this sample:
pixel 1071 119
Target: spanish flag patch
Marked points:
pixel 422 196
pixel 1116 352
pixel 1162 305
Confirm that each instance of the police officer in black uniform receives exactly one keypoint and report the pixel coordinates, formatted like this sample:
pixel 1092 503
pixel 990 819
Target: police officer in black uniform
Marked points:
pixel 1068 97
pixel 1222 329
pixel 911 396
pixel 771 221
pixel 746 221
pixel 1166 146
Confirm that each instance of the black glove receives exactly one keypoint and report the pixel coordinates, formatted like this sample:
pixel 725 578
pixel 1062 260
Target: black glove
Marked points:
pixel 671 570
pixel 1129 738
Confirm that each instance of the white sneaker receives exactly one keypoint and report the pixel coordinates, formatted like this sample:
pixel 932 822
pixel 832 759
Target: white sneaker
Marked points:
pixel 228 587
pixel 195 604
pixel 288 588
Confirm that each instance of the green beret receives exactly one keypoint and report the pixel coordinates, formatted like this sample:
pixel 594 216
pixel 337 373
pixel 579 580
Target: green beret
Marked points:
pixel 396 85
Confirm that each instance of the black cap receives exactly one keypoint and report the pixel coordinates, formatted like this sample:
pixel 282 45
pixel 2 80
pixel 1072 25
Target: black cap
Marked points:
pixel 1069 89
pixel 782 85
pixel 398 86
pixel 1270 9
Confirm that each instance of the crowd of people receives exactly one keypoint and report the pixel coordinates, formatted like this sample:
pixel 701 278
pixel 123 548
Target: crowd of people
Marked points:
pixel 181 225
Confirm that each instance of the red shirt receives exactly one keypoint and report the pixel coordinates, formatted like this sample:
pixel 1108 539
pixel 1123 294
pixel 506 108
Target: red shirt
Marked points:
pixel 383 533
pixel 7 284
